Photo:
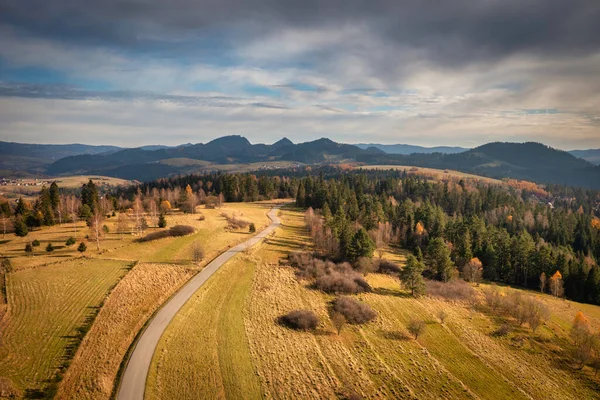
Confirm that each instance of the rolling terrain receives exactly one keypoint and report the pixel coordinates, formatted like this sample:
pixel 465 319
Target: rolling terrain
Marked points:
pixel 57 300
pixel 230 324
pixel 526 161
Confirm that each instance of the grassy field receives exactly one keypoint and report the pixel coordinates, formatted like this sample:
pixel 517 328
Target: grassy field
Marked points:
pixel 29 188
pixel 231 321
pixel 52 295
pixel 47 307
pixel 166 266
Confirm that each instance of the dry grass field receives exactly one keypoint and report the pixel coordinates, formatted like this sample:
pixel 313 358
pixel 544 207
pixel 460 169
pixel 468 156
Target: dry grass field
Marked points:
pixel 52 297
pixel 29 188
pixel 47 306
pixel 231 322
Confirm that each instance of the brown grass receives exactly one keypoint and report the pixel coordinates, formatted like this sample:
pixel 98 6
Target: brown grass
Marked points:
pixel 461 358
pixel 131 303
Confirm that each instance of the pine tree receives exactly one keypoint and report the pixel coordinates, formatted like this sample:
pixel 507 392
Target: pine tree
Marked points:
pixel 300 196
pixel 20 227
pixel 439 255
pixel 162 221
pixel 361 245
pixel 412 275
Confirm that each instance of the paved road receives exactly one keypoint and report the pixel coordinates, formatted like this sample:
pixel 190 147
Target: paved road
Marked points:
pixel 133 382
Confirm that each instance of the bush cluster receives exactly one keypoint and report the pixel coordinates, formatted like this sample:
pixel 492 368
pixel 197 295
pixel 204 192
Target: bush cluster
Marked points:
pixel 454 290
pixel 387 267
pixel 329 276
pixel 235 222
pixel 300 320
pixel 177 230
pixel 355 312
pixel 525 309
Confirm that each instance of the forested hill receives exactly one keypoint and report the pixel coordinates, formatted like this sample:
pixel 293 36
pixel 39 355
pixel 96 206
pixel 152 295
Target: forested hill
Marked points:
pixel 528 161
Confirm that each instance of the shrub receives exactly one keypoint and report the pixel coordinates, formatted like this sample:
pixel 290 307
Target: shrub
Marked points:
pixel 82 247
pixel 416 327
pixel 35 243
pixel 442 315
pixel 201 217
pixel 492 296
pixel 252 228
pixel 70 241
pixel 388 267
pixel 329 276
pixel 105 229
pixel 181 230
pixel 235 222
pixel 354 311
pixel 49 248
pixel 455 290
pixel 366 265
pixel 175 231
pixel 300 320
pixel 28 248
pixel 337 282
pixel 502 330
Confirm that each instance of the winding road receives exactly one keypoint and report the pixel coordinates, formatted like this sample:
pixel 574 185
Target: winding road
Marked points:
pixel 133 382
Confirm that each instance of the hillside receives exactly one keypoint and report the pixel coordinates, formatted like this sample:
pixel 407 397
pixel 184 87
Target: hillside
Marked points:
pixel 592 156
pixel 526 161
pixel 407 149
pixel 131 163
pixel 463 353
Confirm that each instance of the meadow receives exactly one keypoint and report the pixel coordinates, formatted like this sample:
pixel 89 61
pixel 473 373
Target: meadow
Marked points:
pixel 231 321
pixel 101 299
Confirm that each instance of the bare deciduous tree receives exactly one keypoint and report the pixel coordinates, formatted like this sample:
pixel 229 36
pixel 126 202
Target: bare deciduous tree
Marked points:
pixel 543 282
pixel 153 211
pixel 73 205
pixel 338 320
pixel 197 251
pixel 416 327
pixel 96 227
pixel 6 224
pixel 122 223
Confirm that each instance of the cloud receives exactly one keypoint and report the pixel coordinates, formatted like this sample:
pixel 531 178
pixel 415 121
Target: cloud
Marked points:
pixel 441 72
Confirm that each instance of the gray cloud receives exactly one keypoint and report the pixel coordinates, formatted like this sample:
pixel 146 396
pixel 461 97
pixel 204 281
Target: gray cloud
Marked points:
pixel 449 32
pixel 65 92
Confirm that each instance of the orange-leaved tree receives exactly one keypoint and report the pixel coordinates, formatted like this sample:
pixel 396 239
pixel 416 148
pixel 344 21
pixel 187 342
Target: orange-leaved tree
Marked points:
pixel 556 284
pixel 580 329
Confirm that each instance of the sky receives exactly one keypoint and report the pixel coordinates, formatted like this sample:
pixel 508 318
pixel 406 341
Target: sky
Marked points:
pixel 444 72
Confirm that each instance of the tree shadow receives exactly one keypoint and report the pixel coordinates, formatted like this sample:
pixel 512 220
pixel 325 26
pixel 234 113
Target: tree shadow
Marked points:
pixel 393 335
pixel 5 241
pixel 391 292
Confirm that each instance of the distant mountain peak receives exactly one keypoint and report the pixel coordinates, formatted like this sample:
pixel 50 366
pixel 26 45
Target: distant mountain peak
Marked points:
pixel 283 142
pixel 230 141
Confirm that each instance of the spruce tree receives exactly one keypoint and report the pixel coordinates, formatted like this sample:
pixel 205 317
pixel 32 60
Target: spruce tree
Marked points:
pixel 162 221
pixel 412 275
pixel 20 227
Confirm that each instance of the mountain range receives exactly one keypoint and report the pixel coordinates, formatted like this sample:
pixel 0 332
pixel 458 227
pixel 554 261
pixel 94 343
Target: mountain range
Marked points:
pixel 530 161
pixel 407 149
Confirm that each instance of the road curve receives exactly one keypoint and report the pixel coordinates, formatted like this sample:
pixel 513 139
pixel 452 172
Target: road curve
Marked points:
pixel 133 382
